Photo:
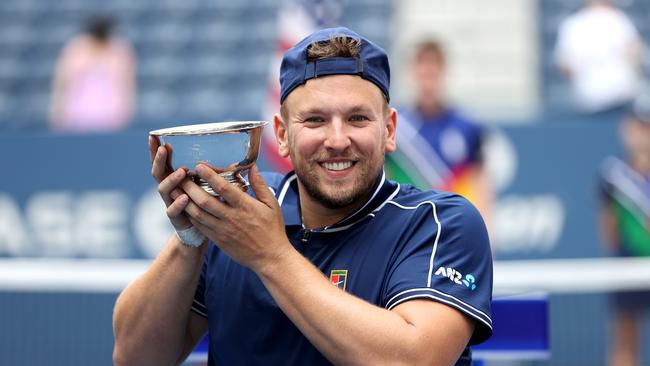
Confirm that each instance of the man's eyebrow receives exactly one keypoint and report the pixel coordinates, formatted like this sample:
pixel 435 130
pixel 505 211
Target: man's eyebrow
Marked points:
pixel 311 110
pixel 359 108
pixel 324 111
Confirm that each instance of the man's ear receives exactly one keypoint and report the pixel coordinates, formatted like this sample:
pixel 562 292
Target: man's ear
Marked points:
pixel 391 126
pixel 281 135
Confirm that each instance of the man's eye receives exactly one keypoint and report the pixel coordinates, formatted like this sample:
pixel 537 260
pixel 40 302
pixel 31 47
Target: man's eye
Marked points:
pixel 314 119
pixel 358 117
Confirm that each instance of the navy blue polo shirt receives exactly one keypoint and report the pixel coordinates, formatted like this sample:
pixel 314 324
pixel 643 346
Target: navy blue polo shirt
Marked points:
pixel 403 244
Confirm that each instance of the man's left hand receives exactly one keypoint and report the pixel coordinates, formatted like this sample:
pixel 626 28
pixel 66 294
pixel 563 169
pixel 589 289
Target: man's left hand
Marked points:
pixel 249 230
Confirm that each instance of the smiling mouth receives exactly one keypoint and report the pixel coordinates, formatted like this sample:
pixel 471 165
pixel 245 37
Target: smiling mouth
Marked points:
pixel 337 166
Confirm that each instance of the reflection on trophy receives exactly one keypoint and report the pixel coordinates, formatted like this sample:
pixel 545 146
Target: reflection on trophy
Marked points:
pixel 229 148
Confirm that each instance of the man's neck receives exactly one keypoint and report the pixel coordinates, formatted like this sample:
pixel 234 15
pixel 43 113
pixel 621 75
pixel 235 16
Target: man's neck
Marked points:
pixel 430 109
pixel 315 215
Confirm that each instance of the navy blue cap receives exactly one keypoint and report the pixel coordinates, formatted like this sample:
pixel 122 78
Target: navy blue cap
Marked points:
pixel 371 64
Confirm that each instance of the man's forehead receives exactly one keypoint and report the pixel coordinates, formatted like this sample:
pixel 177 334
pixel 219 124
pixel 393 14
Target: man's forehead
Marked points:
pixel 346 90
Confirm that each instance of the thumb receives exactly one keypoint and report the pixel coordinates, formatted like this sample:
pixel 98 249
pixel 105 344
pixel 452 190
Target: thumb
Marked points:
pixel 261 190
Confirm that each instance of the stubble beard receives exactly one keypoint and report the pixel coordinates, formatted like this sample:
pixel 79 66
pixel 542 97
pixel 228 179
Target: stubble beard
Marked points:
pixel 338 198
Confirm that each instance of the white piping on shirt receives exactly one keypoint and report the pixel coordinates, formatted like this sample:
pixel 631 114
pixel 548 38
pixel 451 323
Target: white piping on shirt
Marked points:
pixel 445 302
pixel 435 242
pixel 437 292
pixel 283 192
pixel 327 229
pixel 196 309
pixel 372 214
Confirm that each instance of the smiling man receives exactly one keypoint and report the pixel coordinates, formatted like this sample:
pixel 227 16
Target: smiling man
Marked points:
pixel 331 263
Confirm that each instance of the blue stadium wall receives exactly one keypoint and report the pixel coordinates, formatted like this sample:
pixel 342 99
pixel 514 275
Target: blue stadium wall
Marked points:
pixel 88 174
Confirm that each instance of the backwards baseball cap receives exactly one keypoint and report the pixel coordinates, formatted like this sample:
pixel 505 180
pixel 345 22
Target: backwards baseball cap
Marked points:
pixel 371 63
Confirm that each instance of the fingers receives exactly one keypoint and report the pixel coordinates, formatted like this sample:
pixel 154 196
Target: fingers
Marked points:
pixel 198 215
pixel 201 201
pixel 168 183
pixel 168 187
pixel 159 168
pixel 175 193
pixel 228 192
pixel 177 207
pixel 153 147
pixel 200 226
pixel 262 191
pixel 176 211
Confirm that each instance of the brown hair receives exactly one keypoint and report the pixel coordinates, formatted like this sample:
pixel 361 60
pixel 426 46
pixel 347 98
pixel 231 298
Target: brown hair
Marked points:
pixel 430 47
pixel 334 47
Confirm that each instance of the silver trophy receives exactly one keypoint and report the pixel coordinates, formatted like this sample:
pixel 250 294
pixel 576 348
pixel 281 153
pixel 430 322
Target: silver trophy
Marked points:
pixel 229 148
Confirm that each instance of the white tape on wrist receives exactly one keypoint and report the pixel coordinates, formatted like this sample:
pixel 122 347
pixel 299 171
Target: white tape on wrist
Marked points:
pixel 191 237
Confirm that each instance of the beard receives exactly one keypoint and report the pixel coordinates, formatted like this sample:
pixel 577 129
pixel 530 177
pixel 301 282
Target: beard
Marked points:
pixel 337 196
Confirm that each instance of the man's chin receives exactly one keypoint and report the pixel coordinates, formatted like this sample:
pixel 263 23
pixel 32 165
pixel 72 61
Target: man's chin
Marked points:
pixel 335 198
pixel 334 194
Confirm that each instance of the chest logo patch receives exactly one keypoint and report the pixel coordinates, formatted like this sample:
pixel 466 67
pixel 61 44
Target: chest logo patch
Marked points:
pixel 339 278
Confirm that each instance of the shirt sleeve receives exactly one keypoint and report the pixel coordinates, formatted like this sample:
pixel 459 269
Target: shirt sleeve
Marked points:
pixel 198 304
pixel 445 257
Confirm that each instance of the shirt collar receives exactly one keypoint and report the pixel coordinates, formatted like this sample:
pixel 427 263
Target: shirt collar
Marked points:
pixel 288 197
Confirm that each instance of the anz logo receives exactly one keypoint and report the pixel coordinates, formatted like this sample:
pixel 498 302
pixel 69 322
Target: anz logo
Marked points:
pixel 469 281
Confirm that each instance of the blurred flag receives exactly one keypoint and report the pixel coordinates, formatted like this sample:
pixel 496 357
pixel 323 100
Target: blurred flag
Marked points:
pixel 296 20
pixel 416 162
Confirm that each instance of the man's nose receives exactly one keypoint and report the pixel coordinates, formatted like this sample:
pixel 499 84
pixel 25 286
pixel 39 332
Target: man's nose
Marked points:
pixel 337 136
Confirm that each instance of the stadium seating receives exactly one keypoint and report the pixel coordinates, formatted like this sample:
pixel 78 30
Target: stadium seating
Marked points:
pixel 198 60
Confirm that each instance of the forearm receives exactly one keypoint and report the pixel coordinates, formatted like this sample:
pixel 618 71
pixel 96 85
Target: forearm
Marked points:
pixel 151 314
pixel 346 329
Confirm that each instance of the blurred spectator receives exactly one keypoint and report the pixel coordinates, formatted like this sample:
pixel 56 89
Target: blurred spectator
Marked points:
pixel 599 49
pixel 94 81
pixel 625 225
pixel 438 147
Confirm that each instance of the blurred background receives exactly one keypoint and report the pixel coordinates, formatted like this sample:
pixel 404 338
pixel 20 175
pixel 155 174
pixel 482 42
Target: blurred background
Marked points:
pixel 83 81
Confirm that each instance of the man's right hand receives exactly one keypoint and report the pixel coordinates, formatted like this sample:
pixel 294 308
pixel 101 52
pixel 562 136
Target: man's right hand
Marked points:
pixel 168 184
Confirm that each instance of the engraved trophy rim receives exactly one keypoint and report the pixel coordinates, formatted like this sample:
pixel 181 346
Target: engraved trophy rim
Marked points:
pixel 233 173
pixel 208 128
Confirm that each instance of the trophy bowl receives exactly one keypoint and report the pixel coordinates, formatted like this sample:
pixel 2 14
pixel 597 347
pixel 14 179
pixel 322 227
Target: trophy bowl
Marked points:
pixel 229 148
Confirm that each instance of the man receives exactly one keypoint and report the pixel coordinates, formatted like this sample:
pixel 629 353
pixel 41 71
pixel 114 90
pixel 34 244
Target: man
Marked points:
pixel 333 264
pixel 440 147
pixel 625 226
pixel 600 51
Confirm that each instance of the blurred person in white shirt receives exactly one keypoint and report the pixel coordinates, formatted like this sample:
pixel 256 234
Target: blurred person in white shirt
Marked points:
pixel 599 49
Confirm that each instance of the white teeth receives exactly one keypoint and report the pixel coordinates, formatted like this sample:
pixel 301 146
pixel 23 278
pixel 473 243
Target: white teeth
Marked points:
pixel 337 166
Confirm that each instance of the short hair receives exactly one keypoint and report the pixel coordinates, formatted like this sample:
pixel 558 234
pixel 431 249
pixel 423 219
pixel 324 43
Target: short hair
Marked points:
pixel 334 47
pixel 430 47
